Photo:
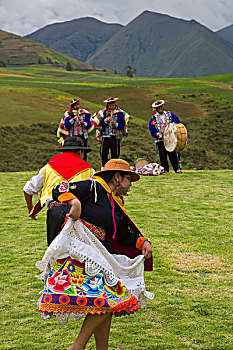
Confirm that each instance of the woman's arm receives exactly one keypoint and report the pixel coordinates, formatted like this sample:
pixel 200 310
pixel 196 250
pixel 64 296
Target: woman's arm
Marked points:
pixel 75 210
pixel 146 249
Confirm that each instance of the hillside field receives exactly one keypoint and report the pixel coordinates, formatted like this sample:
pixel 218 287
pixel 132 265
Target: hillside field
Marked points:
pixel 33 100
pixel 188 218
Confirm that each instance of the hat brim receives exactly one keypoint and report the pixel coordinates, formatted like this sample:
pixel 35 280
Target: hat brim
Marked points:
pixel 112 100
pixel 72 148
pixel 134 176
pixel 161 104
pixel 78 101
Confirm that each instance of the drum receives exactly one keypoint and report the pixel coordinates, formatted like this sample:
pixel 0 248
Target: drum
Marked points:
pixel 175 137
pixel 140 162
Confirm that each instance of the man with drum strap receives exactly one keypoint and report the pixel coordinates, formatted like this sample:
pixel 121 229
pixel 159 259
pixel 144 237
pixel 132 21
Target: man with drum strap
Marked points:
pixel 157 124
pixel 111 123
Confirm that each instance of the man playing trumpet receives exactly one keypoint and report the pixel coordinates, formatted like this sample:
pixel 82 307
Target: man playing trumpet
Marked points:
pixel 75 122
pixel 111 123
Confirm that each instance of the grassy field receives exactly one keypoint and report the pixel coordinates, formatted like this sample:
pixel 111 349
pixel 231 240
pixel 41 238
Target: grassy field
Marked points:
pixel 188 218
pixel 33 100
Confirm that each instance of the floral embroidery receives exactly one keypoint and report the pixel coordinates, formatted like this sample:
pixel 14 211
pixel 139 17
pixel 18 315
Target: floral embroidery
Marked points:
pixel 77 281
pixel 73 186
pixel 48 298
pixel 71 268
pixel 69 289
pixel 64 187
pixel 81 301
pixel 99 302
pixel 120 289
pixel 64 299
pixel 59 282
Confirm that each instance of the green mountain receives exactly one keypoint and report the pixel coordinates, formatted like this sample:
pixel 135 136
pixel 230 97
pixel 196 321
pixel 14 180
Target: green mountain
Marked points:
pixel 156 45
pixel 15 50
pixel 226 33
pixel 79 38
pixel 162 46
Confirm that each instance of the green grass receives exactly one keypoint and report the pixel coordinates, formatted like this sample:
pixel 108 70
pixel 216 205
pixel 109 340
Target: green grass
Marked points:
pixel 33 100
pixel 188 218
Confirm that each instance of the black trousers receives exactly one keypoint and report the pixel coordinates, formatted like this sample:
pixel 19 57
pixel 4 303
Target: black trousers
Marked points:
pixel 85 145
pixel 163 154
pixel 110 143
pixel 55 220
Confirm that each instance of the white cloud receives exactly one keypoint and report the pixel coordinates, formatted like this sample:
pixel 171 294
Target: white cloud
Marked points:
pixel 23 17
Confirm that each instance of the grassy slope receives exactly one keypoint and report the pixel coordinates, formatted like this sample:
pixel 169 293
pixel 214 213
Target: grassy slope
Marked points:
pixel 15 50
pixel 37 97
pixel 189 221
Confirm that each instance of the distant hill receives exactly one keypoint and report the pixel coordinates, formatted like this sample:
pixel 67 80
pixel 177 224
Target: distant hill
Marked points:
pixel 15 50
pixel 79 38
pixel 226 33
pixel 156 45
pixel 162 46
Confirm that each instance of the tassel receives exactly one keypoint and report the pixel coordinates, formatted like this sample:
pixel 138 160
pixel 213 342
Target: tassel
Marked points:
pixel 93 182
pixel 113 217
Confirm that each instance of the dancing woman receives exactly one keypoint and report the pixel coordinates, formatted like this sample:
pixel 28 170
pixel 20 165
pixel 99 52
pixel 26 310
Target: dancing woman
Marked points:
pixel 94 267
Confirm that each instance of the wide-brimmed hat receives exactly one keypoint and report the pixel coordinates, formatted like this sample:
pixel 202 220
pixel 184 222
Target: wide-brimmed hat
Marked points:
pixel 158 103
pixel 75 100
pixel 111 99
pixel 73 143
pixel 115 165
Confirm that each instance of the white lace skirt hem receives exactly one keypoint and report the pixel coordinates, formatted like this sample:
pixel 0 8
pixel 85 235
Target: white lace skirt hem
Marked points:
pixel 76 241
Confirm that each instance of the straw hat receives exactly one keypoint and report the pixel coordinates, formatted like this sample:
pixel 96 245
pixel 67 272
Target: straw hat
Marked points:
pixel 158 103
pixel 115 165
pixel 75 100
pixel 111 99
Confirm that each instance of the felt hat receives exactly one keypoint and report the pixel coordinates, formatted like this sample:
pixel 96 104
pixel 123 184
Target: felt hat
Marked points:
pixel 75 100
pixel 73 143
pixel 111 99
pixel 158 103
pixel 115 165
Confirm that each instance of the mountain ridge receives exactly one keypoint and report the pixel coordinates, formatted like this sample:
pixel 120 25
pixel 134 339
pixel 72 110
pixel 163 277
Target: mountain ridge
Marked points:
pixel 155 50
pixel 78 38
pixel 226 33
pixel 157 45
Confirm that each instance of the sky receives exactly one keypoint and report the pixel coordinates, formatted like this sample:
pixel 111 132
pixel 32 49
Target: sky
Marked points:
pixel 26 16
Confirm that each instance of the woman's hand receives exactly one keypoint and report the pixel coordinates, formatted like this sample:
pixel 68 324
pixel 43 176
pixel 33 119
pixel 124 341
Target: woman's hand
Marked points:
pixel 146 250
pixel 75 210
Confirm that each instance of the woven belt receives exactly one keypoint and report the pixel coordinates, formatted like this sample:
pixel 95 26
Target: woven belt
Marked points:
pixel 97 231
pixel 54 204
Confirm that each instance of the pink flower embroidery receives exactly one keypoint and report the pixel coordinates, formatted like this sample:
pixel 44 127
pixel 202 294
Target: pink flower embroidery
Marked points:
pixel 59 282
pixel 64 187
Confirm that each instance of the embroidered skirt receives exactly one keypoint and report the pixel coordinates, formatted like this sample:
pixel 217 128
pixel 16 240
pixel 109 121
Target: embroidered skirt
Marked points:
pixel 86 279
pixel 69 289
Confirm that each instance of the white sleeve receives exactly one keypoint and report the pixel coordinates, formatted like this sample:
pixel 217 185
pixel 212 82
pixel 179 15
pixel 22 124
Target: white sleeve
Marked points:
pixel 35 184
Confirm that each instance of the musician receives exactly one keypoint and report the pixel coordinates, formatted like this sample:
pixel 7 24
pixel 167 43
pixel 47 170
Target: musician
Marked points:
pixel 112 127
pixel 75 122
pixel 159 120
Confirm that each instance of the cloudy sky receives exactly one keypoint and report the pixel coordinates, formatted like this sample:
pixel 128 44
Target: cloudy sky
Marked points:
pixel 25 16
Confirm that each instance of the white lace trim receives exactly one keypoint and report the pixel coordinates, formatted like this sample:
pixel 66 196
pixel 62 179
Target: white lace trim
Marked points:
pixel 76 241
